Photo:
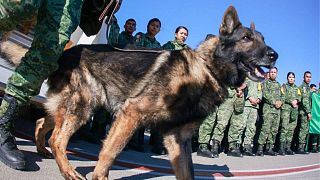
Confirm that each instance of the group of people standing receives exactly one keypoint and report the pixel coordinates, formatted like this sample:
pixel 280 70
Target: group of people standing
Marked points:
pixel 257 113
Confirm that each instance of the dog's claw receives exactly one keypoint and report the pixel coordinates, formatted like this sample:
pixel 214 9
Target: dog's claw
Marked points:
pixel 74 175
pixel 45 153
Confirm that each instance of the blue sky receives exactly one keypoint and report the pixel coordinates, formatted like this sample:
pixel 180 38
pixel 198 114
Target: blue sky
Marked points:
pixel 291 27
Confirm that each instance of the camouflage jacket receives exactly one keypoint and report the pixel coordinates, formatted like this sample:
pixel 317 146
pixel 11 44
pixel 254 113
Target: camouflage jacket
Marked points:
pixel 174 45
pixel 124 39
pixel 271 94
pixel 290 93
pixel 143 40
pixel 254 89
pixel 305 104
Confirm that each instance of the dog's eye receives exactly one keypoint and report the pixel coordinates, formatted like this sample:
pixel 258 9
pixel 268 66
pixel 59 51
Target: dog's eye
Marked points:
pixel 246 38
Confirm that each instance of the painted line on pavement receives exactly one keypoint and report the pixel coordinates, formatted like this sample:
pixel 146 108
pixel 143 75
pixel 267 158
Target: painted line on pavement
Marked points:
pixel 201 174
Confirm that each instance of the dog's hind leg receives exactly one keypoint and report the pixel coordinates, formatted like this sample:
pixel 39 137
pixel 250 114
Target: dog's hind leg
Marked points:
pixel 66 123
pixel 178 144
pixel 120 133
pixel 43 126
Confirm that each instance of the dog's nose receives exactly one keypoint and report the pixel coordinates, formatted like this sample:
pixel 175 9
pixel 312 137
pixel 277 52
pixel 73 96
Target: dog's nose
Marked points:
pixel 272 55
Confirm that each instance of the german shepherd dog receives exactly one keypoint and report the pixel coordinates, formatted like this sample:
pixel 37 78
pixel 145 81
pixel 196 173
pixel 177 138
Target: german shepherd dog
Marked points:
pixel 173 90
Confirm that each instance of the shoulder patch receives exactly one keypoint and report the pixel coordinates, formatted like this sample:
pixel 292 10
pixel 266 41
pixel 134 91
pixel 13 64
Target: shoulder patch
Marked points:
pixel 283 89
pixel 299 92
pixel 259 86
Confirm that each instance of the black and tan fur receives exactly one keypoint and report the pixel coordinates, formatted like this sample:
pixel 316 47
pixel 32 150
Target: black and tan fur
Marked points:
pixel 175 90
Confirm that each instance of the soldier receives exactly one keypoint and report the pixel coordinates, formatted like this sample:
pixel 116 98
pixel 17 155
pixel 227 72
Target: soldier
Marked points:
pixel 271 114
pixel 56 20
pixel 126 37
pixel 304 112
pixel 236 121
pixel 181 35
pixel 253 96
pixel 289 114
pixel 148 39
pixel 231 108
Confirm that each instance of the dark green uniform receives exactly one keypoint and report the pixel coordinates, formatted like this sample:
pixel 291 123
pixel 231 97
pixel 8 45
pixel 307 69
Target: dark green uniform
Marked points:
pixel 254 89
pixel 174 45
pixel 143 40
pixel 289 114
pixel 213 127
pixel 271 114
pixel 304 110
pixel 57 19
pixel 124 39
pixel 113 36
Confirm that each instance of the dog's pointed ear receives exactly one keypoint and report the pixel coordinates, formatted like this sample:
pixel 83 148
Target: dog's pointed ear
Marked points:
pixel 252 26
pixel 230 21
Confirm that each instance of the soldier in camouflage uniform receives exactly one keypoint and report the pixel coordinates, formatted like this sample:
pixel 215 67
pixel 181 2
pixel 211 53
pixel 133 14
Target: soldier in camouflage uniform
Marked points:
pixel 289 114
pixel 271 114
pixel 148 40
pixel 253 96
pixel 57 19
pixel 231 108
pixel 126 37
pixel 237 120
pixel 304 112
pixel 178 43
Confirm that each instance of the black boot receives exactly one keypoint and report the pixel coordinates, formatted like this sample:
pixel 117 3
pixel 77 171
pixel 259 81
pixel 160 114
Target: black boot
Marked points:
pixel 248 150
pixel 10 155
pixel 282 150
pixel 234 150
pixel 270 151
pixel 301 149
pixel 288 149
pixel 260 150
pixel 314 149
pixel 204 151
pixel 215 148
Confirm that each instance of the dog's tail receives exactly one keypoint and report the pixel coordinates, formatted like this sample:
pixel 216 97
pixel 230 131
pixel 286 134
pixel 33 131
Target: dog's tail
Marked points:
pixel 12 52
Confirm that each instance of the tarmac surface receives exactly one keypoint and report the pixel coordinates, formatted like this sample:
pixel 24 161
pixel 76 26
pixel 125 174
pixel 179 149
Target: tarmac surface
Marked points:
pixel 137 165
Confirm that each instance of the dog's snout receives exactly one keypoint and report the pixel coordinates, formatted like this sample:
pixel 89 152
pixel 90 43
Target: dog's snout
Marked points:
pixel 272 55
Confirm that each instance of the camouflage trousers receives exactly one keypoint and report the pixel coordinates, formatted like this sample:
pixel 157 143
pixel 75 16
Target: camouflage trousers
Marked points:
pixel 304 128
pixel 206 128
pixel 270 126
pixel 288 124
pixel 250 115
pixel 224 114
pixel 237 124
pixel 56 20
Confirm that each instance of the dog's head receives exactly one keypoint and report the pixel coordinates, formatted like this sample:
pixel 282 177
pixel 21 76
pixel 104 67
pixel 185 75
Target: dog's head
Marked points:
pixel 243 47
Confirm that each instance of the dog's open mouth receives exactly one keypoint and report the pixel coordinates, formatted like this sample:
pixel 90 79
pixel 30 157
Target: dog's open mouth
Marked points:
pixel 255 72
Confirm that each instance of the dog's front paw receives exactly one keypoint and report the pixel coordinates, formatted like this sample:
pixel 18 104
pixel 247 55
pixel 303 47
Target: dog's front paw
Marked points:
pixel 73 175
